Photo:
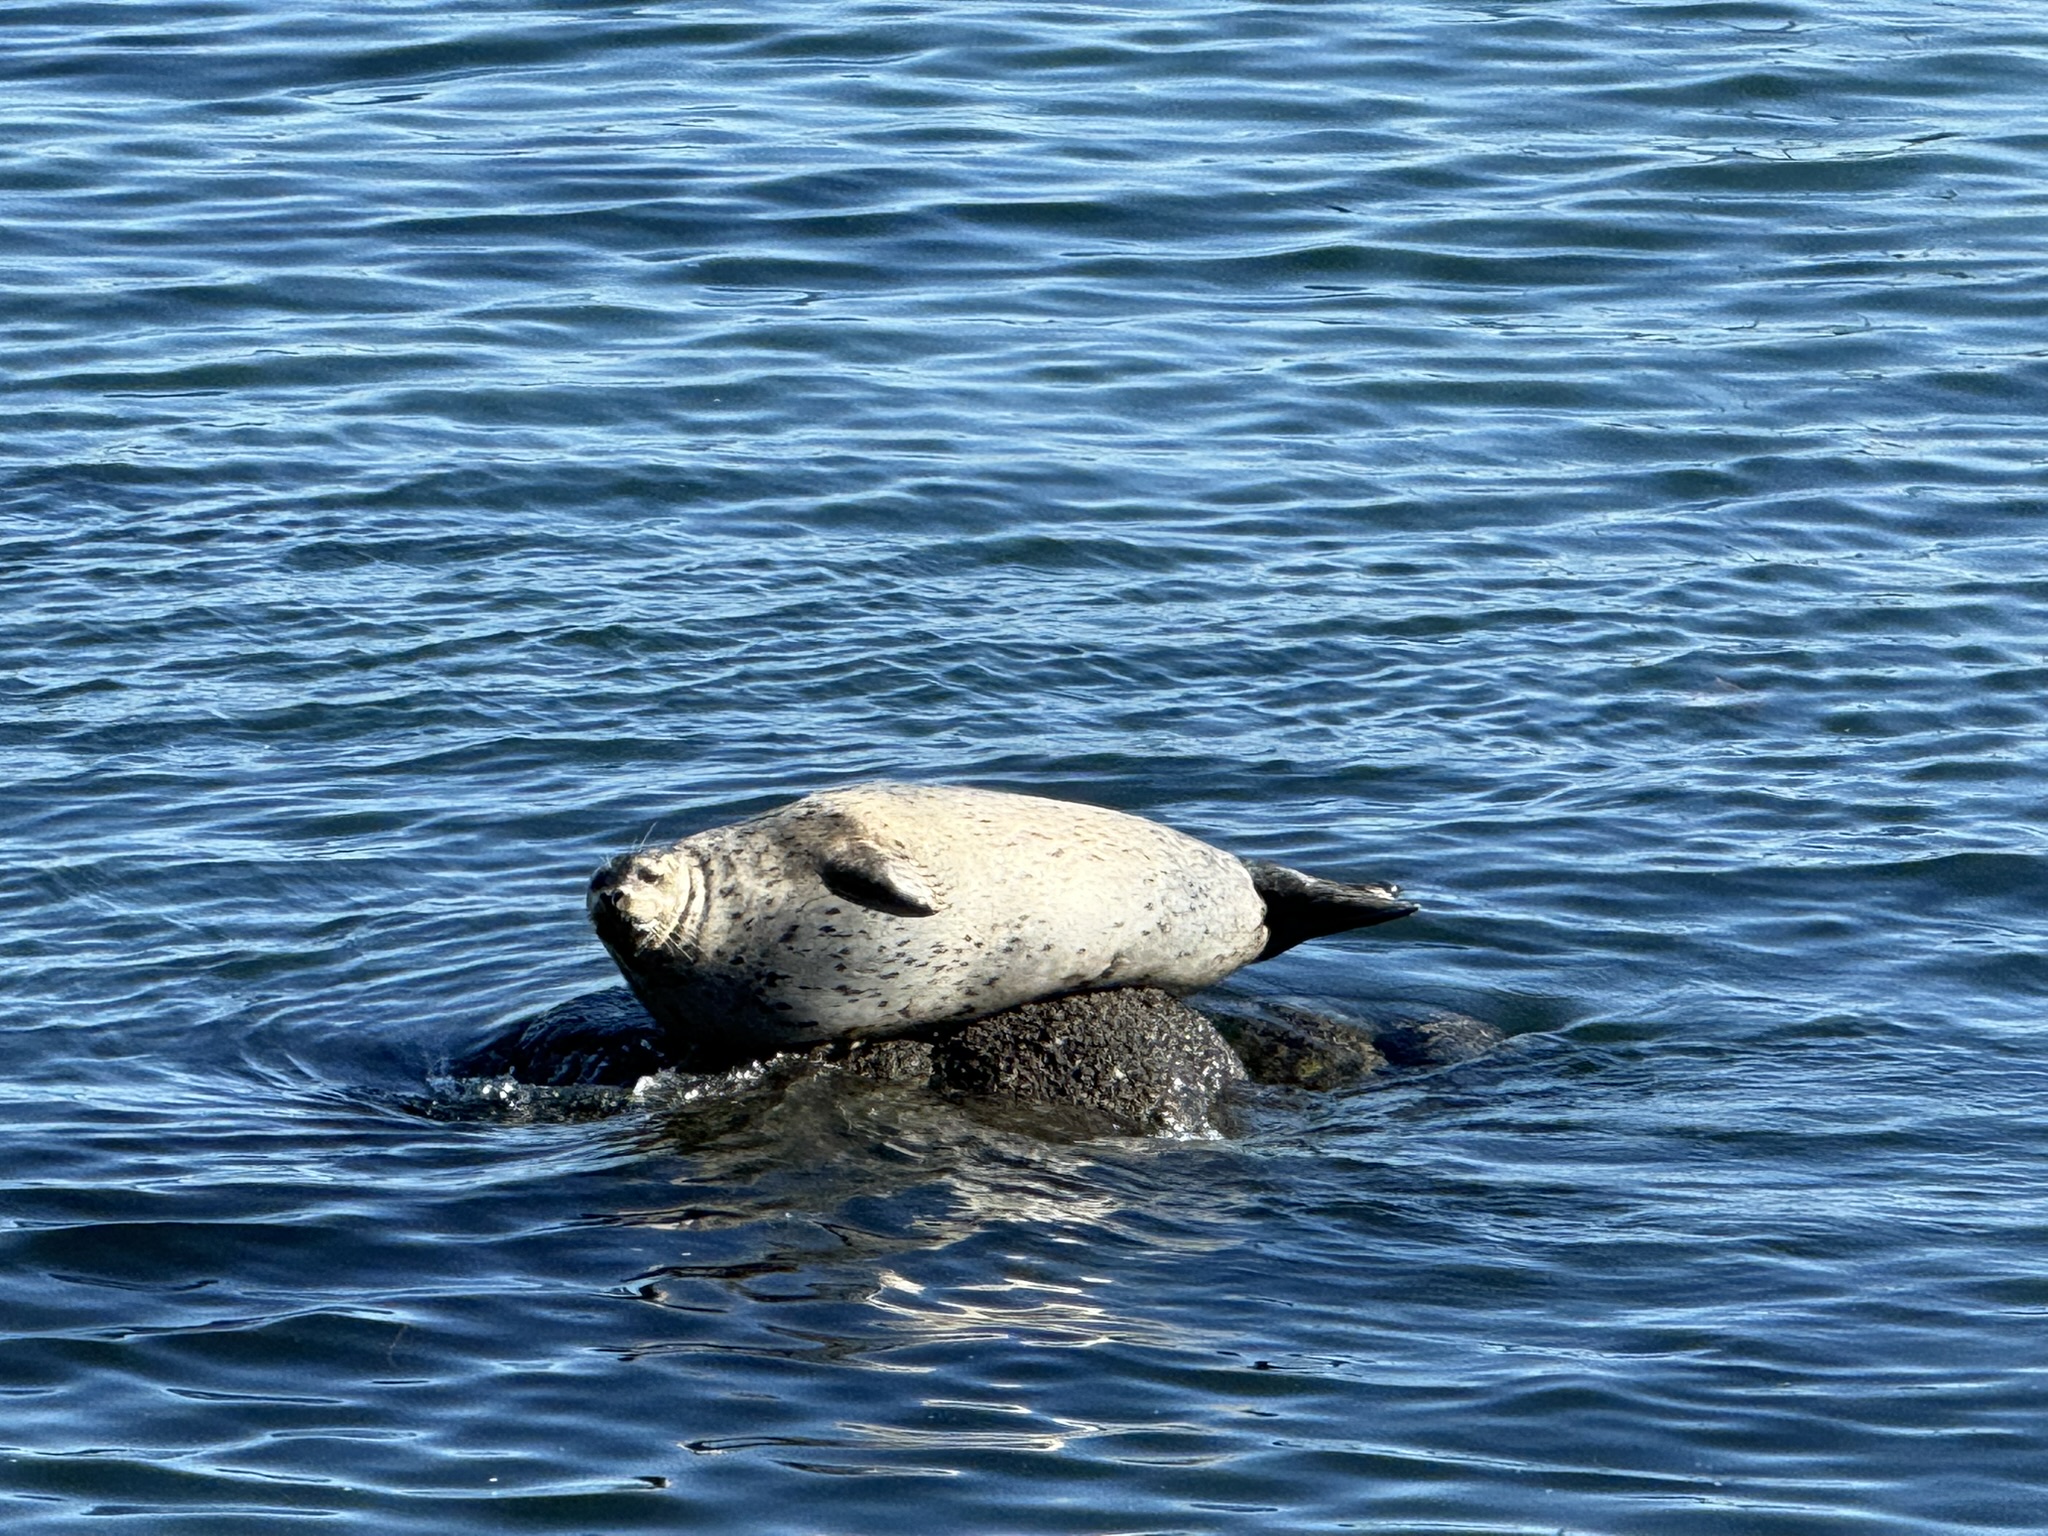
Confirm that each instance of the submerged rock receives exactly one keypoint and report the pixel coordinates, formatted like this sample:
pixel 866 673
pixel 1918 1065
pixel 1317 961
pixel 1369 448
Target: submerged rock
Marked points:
pixel 1300 1048
pixel 1423 1035
pixel 1286 1043
pixel 600 1039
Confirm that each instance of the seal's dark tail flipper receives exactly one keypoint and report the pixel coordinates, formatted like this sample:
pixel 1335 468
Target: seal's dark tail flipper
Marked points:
pixel 1302 906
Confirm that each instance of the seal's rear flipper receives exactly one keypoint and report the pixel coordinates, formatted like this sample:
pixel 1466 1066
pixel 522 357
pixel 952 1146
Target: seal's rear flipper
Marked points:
pixel 1302 906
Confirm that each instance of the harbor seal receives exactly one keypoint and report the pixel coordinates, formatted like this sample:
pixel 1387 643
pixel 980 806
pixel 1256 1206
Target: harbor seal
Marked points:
pixel 891 909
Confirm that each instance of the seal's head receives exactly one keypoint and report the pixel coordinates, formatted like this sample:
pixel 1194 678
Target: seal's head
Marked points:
pixel 641 903
pixel 653 911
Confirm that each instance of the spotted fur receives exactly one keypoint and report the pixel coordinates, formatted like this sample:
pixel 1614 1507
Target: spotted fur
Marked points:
pixel 887 909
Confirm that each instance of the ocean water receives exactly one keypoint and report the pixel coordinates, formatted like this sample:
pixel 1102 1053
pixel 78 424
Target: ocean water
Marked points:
pixel 1586 460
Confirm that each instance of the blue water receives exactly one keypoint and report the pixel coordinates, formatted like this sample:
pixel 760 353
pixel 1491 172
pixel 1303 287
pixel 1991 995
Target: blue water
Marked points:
pixel 1583 459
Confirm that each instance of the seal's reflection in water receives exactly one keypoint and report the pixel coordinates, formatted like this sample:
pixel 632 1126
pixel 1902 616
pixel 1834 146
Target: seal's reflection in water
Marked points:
pixel 851 1169
pixel 863 1229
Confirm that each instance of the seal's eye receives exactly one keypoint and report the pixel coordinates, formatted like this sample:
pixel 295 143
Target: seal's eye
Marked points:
pixel 641 873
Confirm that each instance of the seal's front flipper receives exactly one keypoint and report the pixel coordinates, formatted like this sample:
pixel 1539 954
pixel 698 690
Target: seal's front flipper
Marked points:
pixel 867 873
pixel 1302 906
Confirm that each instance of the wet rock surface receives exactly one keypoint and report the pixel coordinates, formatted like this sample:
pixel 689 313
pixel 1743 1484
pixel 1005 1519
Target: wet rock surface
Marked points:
pixel 1146 1060
pixel 885 1061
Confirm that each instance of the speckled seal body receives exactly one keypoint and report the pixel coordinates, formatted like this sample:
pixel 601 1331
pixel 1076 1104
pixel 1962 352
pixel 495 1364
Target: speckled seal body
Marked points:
pixel 887 909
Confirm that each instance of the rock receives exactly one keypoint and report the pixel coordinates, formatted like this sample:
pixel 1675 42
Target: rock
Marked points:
pixel 601 1039
pixel 1281 1044
pixel 1144 1059
pixel 1286 1043
pixel 1422 1035
pixel 1137 1057
pixel 885 1061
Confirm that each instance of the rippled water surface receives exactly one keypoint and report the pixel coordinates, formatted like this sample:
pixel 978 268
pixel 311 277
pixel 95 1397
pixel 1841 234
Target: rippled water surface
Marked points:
pixel 1583 459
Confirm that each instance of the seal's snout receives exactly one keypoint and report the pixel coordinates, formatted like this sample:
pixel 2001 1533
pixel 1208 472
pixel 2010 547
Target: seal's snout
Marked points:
pixel 610 902
pixel 607 887
pixel 616 879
